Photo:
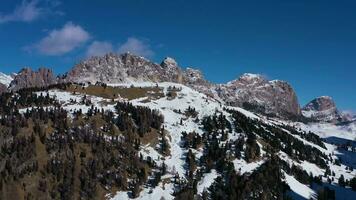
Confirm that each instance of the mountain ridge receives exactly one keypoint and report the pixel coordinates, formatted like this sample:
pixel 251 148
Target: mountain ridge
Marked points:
pixel 252 91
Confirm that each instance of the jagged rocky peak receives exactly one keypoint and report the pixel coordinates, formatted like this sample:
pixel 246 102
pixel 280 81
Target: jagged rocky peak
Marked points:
pixel 170 66
pixel 322 108
pixel 114 68
pixel 321 104
pixel 195 77
pixel 130 59
pixel 27 78
pixel 255 92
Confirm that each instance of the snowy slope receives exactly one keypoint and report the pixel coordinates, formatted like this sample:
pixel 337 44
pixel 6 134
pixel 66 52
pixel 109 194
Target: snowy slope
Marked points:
pixel 175 162
pixel 300 191
pixel 5 79
pixel 206 106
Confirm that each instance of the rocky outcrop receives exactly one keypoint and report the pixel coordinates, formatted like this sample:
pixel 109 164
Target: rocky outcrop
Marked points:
pixel 124 68
pixel 255 92
pixel 172 70
pixel 322 109
pixel 28 78
pixel 194 76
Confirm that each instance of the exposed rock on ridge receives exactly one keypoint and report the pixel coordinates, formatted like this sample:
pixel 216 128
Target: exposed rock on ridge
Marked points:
pixel 251 91
pixel 255 92
pixel 269 96
pixel 27 78
pixel 124 68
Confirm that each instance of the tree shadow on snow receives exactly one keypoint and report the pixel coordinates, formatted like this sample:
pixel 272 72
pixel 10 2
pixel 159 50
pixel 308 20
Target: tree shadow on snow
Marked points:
pixel 340 192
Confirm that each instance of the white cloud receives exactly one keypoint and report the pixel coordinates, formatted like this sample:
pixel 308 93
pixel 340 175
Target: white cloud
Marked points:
pixel 136 46
pixel 64 40
pixel 132 45
pixel 31 10
pixel 98 48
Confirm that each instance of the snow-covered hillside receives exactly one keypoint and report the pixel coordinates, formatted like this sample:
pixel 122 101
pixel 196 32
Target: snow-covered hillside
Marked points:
pixel 176 122
pixel 206 106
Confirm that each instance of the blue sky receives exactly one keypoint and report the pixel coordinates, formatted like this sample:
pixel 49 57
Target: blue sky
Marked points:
pixel 311 44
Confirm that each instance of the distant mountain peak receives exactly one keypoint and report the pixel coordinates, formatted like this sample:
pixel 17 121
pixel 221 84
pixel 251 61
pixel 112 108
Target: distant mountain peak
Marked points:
pixel 27 78
pixel 322 108
pixel 256 92
pixel 321 103
pixel 248 79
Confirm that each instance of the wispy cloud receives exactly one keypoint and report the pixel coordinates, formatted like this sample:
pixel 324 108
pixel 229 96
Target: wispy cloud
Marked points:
pixel 98 48
pixel 132 44
pixel 136 46
pixel 31 10
pixel 61 41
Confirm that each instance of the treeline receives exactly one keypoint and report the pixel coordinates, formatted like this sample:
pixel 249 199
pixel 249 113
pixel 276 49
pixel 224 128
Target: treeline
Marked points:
pixel 10 103
pixel 264 183
pixel 47 154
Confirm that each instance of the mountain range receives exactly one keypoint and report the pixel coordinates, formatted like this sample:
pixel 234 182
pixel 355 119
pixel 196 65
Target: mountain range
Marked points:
pixel 122 127
pixel 251 91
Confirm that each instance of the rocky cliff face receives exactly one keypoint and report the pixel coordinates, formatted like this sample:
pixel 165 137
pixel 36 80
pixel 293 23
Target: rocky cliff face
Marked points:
pixel 3 88
pixel 28 78
pixel 257 93
pixel 322 109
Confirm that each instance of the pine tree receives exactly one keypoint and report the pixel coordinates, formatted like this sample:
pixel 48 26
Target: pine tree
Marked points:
pixel 342 181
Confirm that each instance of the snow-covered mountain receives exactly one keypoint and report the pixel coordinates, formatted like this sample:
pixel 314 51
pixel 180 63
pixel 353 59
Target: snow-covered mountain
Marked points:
pixel 251 91
pixel 257 93
pixel 272 97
